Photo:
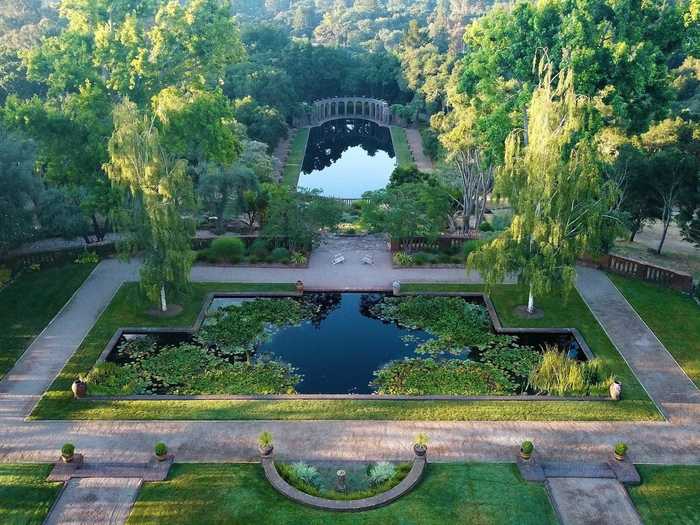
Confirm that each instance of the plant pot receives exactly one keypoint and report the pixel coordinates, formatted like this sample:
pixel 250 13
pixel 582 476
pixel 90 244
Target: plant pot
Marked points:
pixel 265 451
pixel 161 457
pixel 420 450
pixel 300 286
pixel 79 388
pixel 525 456
pixel 615 390
pixel 619 457
pixel 67 458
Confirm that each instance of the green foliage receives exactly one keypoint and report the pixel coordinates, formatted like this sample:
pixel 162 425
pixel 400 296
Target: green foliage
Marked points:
pixel 527 447
pixel 381 472
pixel 280 254
pixel 307 474
pixel 160 449
pixel 446 377
pixel 621 448
pixel 410 174
pixel 421 440
pixel 403 259
pixel 5 275
pixel 559 375
pixel 485 227
pixel 189 369
pixel 259 249
pixel 298 258
pixel 265 439
pixel 227 249
pixel 87 257
pixel 68 449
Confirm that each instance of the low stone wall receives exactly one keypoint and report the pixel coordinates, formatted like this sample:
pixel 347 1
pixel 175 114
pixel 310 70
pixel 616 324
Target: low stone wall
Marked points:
pixel 407 484
pixel 644 271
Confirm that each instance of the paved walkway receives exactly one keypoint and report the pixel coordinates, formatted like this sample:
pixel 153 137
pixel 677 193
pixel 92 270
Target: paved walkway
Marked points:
pixel 93 501
pixel 677 441
pixel 415 142
pixel 591 501
pixel 662 377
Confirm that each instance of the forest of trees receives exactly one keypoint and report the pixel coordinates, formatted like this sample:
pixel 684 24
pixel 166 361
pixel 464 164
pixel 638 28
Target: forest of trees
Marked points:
pixel 144 116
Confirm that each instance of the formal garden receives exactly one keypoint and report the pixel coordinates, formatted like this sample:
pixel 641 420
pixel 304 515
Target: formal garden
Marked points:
pixel 468 224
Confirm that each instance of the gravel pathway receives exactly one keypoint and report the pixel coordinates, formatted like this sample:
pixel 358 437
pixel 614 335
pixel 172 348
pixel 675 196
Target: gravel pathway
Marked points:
pixel 415 141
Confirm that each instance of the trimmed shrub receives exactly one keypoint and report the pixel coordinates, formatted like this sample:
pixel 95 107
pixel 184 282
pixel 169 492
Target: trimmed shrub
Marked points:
pixel 227 249
pixel 160 449
pixel 471 246
pixel 259 250
pixel 280 255
pixel 380 473
pixel 485 227
pixel 68 449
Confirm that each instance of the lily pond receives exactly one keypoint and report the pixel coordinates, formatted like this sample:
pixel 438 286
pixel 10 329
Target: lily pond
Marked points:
pixel 343 343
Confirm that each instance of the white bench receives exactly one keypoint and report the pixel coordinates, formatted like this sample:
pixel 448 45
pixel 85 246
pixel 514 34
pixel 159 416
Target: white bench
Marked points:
pixel 337 258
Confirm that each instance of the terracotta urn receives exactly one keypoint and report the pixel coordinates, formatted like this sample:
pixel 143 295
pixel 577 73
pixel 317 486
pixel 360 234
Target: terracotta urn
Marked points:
pixel 265 451
pixel 420 450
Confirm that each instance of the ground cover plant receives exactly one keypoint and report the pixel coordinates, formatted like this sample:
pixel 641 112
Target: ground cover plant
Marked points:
pixel 466 357
pixel 668 495
pixel 30 302
pixel 297 148
pixel 25 495
pixel 366 482
pixel 676 323
pixel 220 360
pixel 401 147
pixel 239 493
pixel 58 402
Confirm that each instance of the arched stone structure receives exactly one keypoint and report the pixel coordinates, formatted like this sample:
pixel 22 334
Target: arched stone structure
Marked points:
pixel 373 109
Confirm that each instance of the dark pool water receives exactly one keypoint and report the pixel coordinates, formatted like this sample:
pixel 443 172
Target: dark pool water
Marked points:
pixel 339 349
pixel 347 157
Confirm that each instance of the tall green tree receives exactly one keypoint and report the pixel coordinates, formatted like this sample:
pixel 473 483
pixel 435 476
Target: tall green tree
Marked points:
pixel 553 180
pixel 160 218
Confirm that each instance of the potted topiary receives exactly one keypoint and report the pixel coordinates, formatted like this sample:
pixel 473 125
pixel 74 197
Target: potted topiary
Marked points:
pixel 67 452
pixel 265 443
pixel 161 451
pixel 526 449
pixel 620 451
pixel 420 445
pixel 79 388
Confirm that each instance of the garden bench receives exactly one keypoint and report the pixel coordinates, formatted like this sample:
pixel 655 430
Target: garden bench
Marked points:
pixel 337 258
pixel 367 259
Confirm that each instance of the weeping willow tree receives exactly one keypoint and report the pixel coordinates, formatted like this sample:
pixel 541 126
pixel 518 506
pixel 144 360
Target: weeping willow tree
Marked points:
pixel 553 180
pixel 158 219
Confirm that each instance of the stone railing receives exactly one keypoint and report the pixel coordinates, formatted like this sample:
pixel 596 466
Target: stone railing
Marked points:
pixel 349 505
pixel 644 271
pixel 442 243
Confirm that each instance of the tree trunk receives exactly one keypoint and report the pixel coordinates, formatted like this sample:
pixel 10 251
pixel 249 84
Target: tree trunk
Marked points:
pixel 163 303
pixel 99 234
pixel 531 302
pixel 667 223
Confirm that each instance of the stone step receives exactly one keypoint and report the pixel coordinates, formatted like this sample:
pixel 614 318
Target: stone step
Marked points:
pixel 577 470
pixel 152 471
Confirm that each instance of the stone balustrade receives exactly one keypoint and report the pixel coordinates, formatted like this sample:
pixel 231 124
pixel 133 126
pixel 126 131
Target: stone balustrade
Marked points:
pixel 365 108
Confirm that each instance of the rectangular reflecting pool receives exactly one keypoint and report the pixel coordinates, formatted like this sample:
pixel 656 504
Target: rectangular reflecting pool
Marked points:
pixel 332 343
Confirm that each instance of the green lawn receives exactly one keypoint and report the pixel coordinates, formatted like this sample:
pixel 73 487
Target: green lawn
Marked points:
pixel 668 495
pixel 401 147
pixel 29 303
pixel 239 493
pixel 25 495
pixel 674 318
pixel 126 310
pixel 297 149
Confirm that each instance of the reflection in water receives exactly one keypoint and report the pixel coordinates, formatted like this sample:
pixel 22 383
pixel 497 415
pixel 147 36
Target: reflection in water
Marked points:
pixel 347 157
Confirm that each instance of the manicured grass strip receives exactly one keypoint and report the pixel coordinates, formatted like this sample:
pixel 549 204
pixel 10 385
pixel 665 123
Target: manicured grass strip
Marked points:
pixel 674 318
pixel 559 312
pixel 127 310
pixel 29 303
pixel 668 495
pixel 297 149
pixel 239 493
pixel 401 147
pixel 25 495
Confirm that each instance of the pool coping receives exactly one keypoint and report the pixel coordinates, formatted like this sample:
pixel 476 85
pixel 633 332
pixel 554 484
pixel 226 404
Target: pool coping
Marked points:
pixel 209 298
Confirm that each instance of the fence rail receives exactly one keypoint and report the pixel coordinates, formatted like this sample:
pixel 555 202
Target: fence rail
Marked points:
pixel 643 271
pixel 442 243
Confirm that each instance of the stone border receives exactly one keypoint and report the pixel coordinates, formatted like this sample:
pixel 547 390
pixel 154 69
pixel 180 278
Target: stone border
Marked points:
pixel 209 298
pixel 355 505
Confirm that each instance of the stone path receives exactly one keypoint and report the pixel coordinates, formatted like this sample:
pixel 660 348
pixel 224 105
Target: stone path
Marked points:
pixel 48 353
pixel 93 501
pixel 591 501
pixel 415 142
pixel 662 377
pixel 281 153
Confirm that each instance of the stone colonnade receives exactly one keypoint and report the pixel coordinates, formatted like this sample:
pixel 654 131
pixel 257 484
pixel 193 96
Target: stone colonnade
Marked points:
pixel 350 107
